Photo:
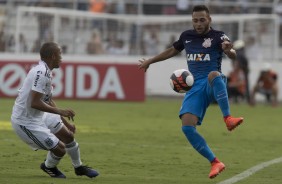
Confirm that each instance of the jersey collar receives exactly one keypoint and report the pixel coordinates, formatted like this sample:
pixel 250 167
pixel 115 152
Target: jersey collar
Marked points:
pixel 41 62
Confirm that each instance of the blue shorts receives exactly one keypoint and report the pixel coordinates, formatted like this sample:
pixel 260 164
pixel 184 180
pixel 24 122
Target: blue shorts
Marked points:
pixel 198 98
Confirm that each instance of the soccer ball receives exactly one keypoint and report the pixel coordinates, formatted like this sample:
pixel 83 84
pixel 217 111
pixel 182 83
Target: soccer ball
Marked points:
pixel 181 80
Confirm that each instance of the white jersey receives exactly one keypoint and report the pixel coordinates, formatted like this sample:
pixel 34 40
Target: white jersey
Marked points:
pixel 38 79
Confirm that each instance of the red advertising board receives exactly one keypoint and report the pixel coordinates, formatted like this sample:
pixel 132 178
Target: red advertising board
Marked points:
pixel 78 80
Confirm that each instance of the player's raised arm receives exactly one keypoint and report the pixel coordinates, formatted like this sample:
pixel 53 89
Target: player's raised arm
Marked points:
pixel 168 53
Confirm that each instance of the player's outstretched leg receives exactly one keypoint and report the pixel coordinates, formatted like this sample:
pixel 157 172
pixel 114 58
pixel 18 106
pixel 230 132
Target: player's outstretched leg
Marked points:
pixel 221 96
pixel 216 168
pixel 87 171
pixel 198 142
pixel 232 123
pixel 53 172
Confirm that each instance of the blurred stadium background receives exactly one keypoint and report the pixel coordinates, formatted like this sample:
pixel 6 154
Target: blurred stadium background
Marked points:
pixel 123 31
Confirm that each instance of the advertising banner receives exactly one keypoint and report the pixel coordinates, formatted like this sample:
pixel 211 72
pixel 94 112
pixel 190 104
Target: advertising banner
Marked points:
pixel 78 80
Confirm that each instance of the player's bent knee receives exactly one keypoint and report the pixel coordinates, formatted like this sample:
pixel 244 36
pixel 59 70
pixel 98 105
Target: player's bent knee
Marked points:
pixel 65 135
pixel 189 119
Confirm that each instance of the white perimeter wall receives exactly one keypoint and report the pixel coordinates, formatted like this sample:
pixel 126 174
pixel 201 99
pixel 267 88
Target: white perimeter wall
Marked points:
pixel 157 77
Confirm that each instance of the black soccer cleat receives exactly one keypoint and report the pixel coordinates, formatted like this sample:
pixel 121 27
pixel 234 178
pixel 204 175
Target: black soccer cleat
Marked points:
pixel 53 172
pixel 87 171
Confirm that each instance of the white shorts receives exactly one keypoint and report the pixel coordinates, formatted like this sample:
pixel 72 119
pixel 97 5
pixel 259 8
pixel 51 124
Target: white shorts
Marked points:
pixel 39 136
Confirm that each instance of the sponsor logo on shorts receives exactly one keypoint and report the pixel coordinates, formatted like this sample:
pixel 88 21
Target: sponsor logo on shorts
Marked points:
pixel 49 142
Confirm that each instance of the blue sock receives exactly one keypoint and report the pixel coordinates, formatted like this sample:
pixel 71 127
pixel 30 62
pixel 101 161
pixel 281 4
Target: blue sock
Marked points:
pixel 198 142
pixel 220 94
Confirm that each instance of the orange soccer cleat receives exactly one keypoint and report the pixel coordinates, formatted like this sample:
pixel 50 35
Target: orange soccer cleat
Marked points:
pixel 216 168
pixel 232 123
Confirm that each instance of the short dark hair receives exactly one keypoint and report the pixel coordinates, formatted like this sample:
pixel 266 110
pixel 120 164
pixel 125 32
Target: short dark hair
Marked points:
pixel 199 8
pixel 48 49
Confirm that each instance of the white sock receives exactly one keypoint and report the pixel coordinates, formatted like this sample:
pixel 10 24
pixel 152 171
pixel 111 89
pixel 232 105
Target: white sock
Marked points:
pixel 52 160
pixel 74 152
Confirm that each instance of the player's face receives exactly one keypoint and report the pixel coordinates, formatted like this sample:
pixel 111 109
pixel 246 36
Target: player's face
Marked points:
pixel 201 22
pixel 57 58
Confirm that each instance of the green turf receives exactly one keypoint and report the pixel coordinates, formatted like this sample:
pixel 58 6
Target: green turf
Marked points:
pixel 142 143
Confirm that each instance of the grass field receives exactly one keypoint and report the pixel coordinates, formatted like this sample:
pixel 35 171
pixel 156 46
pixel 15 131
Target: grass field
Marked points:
pixel 142 143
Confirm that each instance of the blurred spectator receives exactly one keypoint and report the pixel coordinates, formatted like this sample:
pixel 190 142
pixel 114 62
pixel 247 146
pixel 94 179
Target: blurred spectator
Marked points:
pixel 235 10
pixel 253 48
pixel 132 8
pixel 2 42
pixel 266 85
pixel 117 48
pixel 97 6
pixel 82 5
pixel 182 6
pixel 243 63
pixel 94 46
pixel 244 4
pixel 64 49
pixel 11 44
pixel 120 7
pixel 116 7
pixel 151 43
pixel 22 44
pixel 236 83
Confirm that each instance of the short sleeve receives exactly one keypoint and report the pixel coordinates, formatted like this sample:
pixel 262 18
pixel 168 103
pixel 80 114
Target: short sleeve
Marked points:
pixel 39 82
pixel 178 45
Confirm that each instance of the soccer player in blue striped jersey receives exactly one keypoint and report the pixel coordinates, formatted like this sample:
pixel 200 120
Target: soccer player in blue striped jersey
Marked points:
pixel 204 48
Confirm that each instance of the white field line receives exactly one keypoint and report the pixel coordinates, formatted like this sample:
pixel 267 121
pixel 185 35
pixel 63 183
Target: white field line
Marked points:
pixel 250 171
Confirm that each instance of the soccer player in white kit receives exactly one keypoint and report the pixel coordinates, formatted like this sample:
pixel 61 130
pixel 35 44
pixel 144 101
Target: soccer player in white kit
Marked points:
pixel 40 123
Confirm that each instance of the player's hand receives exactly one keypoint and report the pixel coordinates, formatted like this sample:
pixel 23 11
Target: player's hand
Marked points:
pixel 67 113
pixel 144 64
pixel 226 46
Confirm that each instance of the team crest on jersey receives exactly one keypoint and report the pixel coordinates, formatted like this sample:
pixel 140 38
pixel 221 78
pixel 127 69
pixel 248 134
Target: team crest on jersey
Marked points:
pixel 207 42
